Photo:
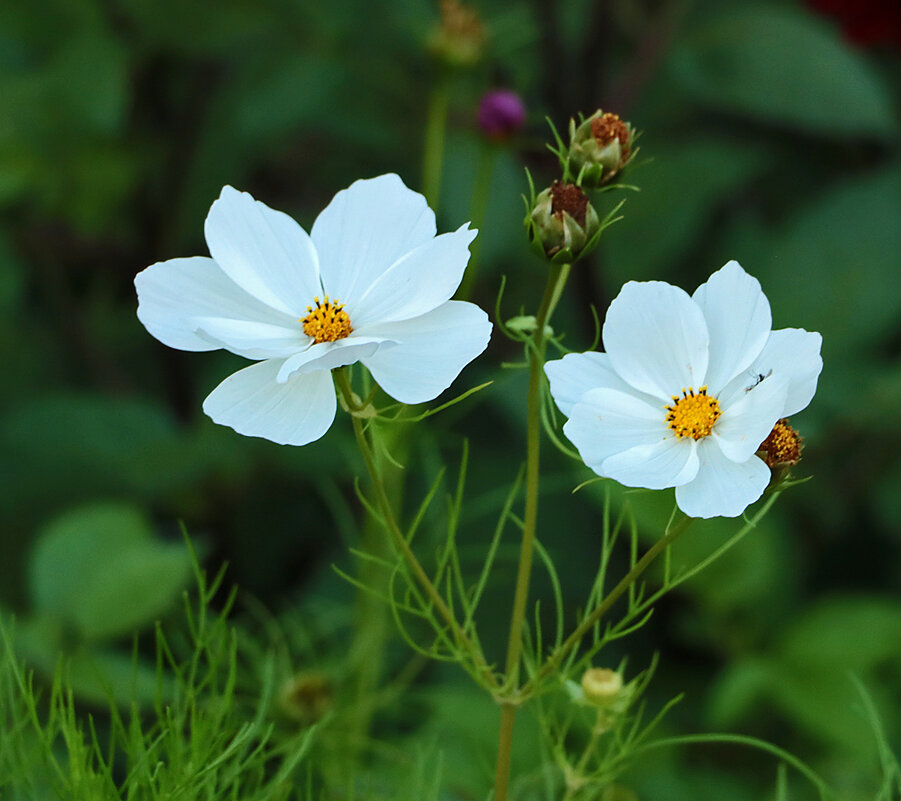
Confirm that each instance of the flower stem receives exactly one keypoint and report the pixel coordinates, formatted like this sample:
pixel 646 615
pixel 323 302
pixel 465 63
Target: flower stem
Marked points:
pixel 571 642
pixel 554 288
pixel 436 122
pixel 480 192
pixel 383 503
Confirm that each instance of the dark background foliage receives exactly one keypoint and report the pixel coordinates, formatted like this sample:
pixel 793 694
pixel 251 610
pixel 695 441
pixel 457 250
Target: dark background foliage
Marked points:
pixel 771 135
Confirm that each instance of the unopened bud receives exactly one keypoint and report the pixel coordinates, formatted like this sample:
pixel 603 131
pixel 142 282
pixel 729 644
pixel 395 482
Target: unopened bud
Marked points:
pixel 459 39
pixel 782 448
pixel 599 148
pixel 306 697
pixel 563 224
pixel 602 687
pixel 501 114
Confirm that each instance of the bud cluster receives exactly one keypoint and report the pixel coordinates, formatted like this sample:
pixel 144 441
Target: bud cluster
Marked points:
pixel 562 223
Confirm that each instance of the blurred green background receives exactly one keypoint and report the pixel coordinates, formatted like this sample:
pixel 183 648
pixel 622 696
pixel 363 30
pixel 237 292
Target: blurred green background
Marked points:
pixel 770 135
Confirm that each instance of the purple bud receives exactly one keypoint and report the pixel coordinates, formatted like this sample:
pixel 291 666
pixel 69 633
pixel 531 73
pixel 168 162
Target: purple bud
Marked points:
pixel 501 114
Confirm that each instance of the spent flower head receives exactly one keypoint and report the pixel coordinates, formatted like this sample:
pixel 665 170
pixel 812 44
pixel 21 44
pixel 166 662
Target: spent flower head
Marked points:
pixel 370 283
pixel 687 390
pixel 459 38
pixel 782 447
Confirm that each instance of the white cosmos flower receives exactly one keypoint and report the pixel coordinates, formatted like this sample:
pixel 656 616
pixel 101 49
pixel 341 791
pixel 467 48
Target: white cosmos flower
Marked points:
pixel 688 389
pixel 370 283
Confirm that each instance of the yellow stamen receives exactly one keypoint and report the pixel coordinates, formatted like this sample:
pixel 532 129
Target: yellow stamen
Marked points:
pixel 328 322
pixel 693 415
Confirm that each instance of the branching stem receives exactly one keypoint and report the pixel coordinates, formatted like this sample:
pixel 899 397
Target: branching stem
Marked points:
pixel 571 642
pixel 465 643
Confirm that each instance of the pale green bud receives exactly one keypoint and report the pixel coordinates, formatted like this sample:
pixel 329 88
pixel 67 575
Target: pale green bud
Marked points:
pixel 306 697
pixel 599 148
pixel 602 687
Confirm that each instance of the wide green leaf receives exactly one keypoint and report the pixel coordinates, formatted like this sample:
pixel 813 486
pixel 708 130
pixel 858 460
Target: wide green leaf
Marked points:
pixel 782 65
pixel 99 569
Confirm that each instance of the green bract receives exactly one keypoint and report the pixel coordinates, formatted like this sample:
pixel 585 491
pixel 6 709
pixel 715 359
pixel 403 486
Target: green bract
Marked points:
pixel 600 146
pixel 563 225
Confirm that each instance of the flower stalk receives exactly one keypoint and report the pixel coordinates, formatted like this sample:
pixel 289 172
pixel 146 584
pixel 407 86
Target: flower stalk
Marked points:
pixel 480 192
pixel 383 504
pixel 558 273
pixel 571 642
pixel 436 124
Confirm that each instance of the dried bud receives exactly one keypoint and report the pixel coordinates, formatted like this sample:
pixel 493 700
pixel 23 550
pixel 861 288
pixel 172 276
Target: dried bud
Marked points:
pixel 599 148
pixel 563 224
pixel 782 448
pixel 602 687
pixel 459 39
pixel 306 697
pixel 501 114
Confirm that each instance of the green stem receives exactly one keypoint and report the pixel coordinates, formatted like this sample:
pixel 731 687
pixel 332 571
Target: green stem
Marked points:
pixel 554 288
pixel 575 784
pixel 480 191
pixel 752 742
pixel 400 541
pixel 372 631
pixel 436 123
pixel 571 642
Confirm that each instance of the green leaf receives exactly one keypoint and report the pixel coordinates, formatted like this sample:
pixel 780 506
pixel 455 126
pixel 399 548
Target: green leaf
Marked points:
pixel 97 674
pixel 782 65
pixel 738 691
pixel 679 190
pixel 850 633
pixel 84 446
pixel 99 569
pixel 834 268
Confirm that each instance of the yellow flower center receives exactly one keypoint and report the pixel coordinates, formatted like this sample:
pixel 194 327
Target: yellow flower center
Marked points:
pixel 693 415
pixel 327 322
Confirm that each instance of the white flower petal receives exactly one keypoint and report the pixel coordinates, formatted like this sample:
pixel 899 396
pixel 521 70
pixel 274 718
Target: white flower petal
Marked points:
pixel 722 488
pixel 263 251
pixel 173 294
pixel 328 355
pixel 791 352
pixel 738 320
pixel 367 228
pixel 577 373
pixel 605 422
pixel 432 351
pixel 749 419
pixel 254 404
pixel 251 339
pixel 667 463
pixel 416 283
pixel 657 338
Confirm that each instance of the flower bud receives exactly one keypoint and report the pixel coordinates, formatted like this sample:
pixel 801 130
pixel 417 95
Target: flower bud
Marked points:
pixel 501 114
pixel 599 148
pixel 306 697
pixel 602 687
pixel 459 39
pixel 782 448
pixel 563 224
